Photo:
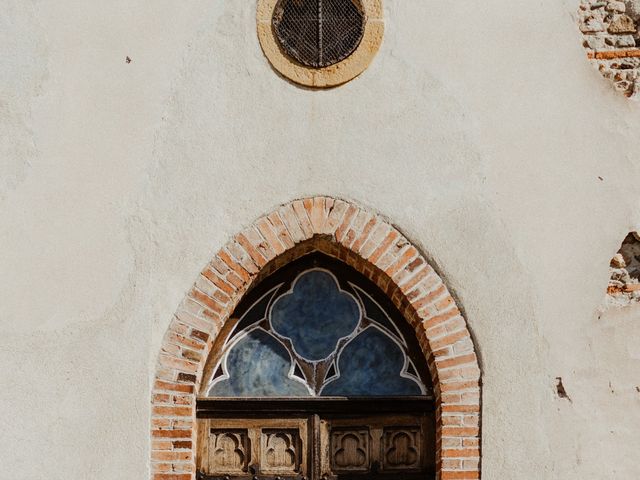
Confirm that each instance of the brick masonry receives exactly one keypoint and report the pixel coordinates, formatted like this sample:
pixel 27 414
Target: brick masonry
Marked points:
pixel 610 36
pixel 371 245
pixel 624 283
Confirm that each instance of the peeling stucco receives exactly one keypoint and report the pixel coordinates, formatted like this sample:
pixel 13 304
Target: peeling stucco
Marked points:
pixel 624 284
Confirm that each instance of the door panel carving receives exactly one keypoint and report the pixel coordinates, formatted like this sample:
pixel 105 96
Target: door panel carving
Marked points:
pixel 350 449
pixel 245 448
pixel 401 449
pixel 337 444
pixel 280 451
pixel 228 451
pixel 372 447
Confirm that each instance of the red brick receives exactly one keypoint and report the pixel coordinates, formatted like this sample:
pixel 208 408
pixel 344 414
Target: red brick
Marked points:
pixel 315 208
pixel 195 321
pixel 364 236
pixel 457 361
pixel 268 232
pixel 335 215
pixel 357 226
pixel 460 453
pixel 178 364
pixel 161 398
pixel 184 433
pixel 424 279
pixel 290 221
pixel 183 399
pixel 384 246
pixel 172 476
pixel 206 300
pixel 182 444
pixel 429 297
pixel 186 377
pixel 183 341
pixel 161 445
pixel 460 408
pixel 449 339
pixel 235 266
pixel 458 386
pixel 459 475
pixel 401 261
pixel 240 255
pixel 174 387
pixel 612 54
pixel 160 423
pixel 172 411
pixel 460 431
pixel 303 219
pixel 346 221
pixel 181 456
pixel 217 280
pixel 162 467
pixel 258 258
pixel 236 281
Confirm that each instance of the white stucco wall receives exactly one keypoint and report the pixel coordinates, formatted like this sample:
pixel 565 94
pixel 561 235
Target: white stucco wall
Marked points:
pixel 480 130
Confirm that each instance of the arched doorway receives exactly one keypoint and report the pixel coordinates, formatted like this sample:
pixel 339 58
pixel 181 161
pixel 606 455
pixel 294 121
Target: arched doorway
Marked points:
pixel 341 233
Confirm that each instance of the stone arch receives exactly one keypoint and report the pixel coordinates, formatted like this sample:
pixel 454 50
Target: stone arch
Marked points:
pixel 363 240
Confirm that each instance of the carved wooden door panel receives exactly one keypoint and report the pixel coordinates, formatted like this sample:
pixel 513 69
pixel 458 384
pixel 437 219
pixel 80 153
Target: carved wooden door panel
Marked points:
pixel 289 439
pixel 257 448
pixel 385 447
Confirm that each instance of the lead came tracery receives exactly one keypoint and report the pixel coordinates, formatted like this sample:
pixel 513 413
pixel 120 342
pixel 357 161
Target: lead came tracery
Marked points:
pixel 315 339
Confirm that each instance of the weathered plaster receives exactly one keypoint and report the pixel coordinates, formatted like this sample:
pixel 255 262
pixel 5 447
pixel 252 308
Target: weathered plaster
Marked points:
pixel 480 130
pixel 24 70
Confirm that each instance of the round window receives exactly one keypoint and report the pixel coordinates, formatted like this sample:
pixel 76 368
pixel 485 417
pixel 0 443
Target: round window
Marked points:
pixel 320 43
pixel 319 33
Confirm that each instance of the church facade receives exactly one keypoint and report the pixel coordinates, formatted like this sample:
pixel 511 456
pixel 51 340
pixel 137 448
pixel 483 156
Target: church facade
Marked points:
pixel 320 239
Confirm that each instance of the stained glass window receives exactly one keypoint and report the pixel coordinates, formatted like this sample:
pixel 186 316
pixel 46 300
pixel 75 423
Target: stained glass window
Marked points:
pixel 317 328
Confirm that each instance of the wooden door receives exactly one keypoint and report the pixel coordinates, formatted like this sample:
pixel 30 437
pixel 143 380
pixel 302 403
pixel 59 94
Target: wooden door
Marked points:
pixel 377 447
pixel 245 448
pixel 328 439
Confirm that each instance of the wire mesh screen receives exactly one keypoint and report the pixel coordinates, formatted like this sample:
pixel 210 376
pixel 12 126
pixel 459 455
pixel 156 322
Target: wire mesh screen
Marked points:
pixel 319 33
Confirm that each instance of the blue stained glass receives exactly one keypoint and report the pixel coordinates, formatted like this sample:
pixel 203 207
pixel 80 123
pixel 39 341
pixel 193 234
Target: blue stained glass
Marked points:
pixel 256 313
pixel 315 315
pixel 258 366
pixel 371 365
pixel 375 313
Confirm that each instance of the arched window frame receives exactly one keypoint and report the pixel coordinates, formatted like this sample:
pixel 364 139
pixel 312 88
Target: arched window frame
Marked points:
pixel 372 246
pixel 349 282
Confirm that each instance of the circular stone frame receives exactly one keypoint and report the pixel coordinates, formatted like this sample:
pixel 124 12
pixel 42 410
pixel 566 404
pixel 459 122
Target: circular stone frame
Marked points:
pixel 325 77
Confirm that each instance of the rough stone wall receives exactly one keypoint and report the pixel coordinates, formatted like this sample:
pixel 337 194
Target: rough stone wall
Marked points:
pixel 610 30
pixel 624 285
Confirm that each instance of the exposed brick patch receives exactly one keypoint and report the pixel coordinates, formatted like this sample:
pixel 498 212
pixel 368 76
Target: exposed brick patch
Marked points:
pixel 610 36
pixel 624 283
pixel 374 248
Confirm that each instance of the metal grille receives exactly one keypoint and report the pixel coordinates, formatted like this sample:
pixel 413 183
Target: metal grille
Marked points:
pixel 319 33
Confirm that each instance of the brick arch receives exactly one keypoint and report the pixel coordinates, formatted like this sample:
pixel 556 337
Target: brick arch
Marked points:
pixel 372 246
